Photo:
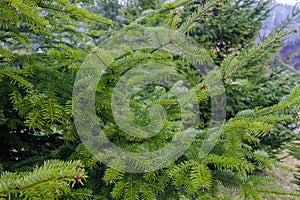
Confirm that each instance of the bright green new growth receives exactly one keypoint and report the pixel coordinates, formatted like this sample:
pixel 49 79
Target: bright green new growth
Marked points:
pixel 50 181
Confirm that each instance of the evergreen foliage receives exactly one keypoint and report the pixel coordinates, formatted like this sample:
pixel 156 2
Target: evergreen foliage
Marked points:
pixel 45 42
pixel 41 46
pixel 49 181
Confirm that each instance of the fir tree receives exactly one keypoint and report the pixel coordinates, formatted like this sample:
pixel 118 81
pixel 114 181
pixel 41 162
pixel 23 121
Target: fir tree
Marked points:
pixel 37 108
pixel 41 46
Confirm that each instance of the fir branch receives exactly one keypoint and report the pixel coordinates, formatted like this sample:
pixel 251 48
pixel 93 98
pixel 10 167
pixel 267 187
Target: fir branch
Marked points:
pixel 54 170
pixel 236 61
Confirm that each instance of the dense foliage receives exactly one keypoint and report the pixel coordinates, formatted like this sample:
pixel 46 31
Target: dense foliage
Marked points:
pixel 44 43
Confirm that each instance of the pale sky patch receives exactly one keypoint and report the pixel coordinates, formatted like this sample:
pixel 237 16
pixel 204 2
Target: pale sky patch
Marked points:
pixel 290 2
